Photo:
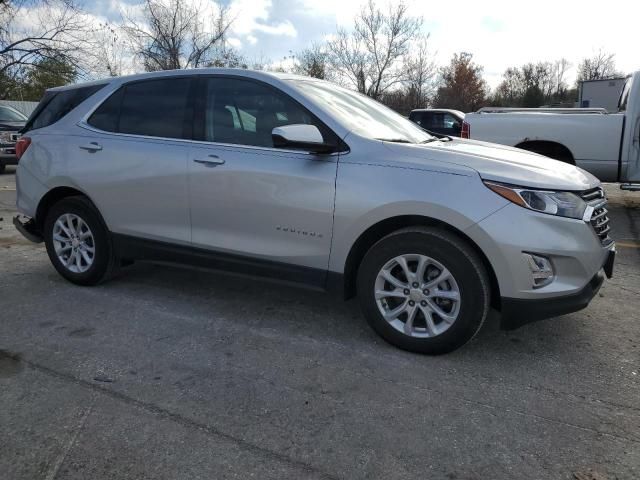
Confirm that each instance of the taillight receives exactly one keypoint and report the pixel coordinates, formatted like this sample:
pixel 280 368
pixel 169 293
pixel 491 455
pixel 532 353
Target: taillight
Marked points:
pixel 466 130
pixel 21 146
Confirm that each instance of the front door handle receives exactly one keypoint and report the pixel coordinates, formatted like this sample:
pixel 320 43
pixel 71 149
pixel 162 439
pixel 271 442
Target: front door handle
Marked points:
pixel 211 161
pixel 91 147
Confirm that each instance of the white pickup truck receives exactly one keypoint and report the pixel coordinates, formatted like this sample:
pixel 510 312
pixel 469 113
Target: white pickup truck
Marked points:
pixel 605 144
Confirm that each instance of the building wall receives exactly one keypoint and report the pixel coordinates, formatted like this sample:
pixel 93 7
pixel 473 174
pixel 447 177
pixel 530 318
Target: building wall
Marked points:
pixel 601 93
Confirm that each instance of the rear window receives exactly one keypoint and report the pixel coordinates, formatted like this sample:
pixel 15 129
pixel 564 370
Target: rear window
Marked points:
pixel 55 105
pixel 154 108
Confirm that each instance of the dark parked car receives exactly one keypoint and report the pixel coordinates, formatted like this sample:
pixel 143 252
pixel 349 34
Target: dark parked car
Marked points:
pixel 11 122
pixel 440 121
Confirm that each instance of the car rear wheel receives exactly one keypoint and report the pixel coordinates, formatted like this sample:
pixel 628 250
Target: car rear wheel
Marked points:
pixel 424 290
pixel 78 242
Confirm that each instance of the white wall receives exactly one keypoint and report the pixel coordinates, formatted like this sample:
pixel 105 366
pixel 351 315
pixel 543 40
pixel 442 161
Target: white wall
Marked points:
pixel 24 107
pixel 601 93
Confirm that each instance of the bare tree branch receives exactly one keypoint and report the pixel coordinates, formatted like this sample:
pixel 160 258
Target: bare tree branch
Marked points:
pixel 174 34
pixel 370 57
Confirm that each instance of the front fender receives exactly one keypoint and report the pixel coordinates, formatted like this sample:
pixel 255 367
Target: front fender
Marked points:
pixel 369 194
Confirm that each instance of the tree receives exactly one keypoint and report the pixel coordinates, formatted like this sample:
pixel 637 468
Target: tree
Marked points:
pixel 370 56
pixel 600 66
pixel 46 74
pixel 420 70
pixel 176 34
pixel 462 85
pixel 560 68
pixel 312 62
pixel 57 30
pixel 532 85
pixel 110 51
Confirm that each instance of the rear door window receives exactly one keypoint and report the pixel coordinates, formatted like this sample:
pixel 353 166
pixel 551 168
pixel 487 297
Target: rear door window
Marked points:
pixel 153 108
pixel 55 105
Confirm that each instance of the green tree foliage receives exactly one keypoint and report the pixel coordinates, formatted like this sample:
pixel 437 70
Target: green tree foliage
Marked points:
pixel 46 74
pixel 534 85
pixel 34 80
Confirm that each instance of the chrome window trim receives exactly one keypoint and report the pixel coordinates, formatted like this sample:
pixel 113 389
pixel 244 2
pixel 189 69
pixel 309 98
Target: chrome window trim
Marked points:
pixel 83 124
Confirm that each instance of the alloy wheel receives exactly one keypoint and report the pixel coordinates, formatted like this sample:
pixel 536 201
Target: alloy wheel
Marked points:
pixel 417 295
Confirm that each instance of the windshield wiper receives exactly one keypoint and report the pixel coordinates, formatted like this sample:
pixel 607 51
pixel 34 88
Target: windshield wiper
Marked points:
pixel 429 140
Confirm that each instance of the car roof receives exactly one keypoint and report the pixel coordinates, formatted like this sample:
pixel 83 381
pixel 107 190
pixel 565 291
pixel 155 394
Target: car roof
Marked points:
pixel 258 74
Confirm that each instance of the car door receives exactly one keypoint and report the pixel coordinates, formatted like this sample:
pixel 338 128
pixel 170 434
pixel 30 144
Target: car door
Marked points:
pixel 268 205
pixel 134 160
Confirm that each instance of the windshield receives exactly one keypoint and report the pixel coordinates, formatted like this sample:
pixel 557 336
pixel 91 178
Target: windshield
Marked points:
pixel 362 114
pixel 10 115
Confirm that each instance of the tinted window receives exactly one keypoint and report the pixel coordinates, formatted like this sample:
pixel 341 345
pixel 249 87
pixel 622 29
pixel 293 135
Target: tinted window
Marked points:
pixel 624 96
pixel 155 108
pixel 10 115
pixel 107 114
pixel 245 112
pixel 55 105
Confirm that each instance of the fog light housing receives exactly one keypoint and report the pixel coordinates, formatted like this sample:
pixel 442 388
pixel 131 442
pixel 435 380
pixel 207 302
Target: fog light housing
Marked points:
pixel 541 268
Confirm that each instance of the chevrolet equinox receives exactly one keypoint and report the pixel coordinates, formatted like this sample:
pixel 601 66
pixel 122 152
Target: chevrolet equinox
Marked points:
pixel 304 181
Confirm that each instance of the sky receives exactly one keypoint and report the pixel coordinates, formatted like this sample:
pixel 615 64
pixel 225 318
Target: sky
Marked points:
pixel 498 33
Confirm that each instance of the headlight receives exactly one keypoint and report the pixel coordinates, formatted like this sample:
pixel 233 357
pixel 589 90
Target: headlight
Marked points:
pixel 5 137
pixel 563 204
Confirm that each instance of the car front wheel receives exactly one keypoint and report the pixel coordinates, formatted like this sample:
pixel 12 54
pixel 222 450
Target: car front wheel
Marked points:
pixel 424 290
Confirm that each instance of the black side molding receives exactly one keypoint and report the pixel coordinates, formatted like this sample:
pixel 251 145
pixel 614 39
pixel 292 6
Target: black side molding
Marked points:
pixel 27 227
pixel 135 248
pixel 517 312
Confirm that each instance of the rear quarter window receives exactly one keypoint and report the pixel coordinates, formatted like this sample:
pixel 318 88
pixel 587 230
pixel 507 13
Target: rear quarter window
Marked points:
pixel 55 105
pixel 153 108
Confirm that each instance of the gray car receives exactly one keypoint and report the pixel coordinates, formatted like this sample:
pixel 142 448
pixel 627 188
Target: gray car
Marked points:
pixel 304 181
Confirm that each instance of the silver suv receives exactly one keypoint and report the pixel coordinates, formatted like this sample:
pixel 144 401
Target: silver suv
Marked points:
pixel 304 181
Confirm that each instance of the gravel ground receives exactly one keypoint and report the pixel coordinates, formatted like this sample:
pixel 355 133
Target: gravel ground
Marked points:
pixel 173 373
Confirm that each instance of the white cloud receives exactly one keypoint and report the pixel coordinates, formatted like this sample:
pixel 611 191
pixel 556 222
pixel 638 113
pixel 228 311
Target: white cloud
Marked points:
pixel 502 33
pixel 252 16
pixel 234 42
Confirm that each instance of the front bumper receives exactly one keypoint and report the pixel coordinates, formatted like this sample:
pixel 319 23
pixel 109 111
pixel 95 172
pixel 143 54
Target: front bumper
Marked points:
pixel 577 254
pixel 8 154
pixel 517 312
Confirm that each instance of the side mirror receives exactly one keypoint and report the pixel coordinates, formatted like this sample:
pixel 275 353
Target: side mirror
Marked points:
pixel 300 137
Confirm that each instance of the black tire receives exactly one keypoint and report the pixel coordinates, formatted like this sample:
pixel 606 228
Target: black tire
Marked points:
pixel 104 260
pixel 3 167
pixel 455 255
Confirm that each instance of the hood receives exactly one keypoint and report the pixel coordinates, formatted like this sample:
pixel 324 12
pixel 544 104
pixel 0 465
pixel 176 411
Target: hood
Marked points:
pixel 11 126
pixel 503 164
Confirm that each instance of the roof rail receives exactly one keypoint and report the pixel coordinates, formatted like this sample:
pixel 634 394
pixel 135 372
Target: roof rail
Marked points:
pixel 543 110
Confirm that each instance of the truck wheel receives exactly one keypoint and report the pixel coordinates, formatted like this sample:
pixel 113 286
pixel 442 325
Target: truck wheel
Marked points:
pixel 78 242
pixel 424 289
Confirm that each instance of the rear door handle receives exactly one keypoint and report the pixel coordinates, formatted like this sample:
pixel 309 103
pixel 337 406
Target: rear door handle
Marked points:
pixel 211 161
pixel 91 147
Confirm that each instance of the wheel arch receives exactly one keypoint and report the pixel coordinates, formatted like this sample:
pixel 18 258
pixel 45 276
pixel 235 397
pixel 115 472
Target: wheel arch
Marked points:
pixel 548 148
pixel 379 230
pixel 52 197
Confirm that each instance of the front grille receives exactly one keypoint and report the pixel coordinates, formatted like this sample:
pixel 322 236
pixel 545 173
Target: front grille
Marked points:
pixel 599 218
pixel 14 137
